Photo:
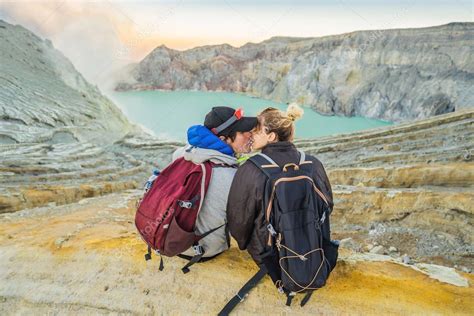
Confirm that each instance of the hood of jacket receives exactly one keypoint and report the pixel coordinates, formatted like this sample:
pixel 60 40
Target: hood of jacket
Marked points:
pixel 200 136
pixel 200 155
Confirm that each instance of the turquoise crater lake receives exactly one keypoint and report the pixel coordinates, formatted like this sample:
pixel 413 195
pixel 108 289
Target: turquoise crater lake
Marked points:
pixel 169 113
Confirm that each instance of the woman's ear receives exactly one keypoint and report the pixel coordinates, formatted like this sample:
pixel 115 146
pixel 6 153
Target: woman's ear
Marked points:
pixel 272 137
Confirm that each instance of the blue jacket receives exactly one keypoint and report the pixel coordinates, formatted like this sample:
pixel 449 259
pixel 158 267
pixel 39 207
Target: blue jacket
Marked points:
pixel 200 136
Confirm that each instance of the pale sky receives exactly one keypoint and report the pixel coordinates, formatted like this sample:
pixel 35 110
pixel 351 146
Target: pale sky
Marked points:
pixel 94 34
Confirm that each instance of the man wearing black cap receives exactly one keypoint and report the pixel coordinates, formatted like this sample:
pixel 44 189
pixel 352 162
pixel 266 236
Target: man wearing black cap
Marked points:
pixel 225 133
pixel 231 126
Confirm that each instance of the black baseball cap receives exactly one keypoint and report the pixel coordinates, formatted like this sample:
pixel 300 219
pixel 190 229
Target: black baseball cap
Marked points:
pixel 223 120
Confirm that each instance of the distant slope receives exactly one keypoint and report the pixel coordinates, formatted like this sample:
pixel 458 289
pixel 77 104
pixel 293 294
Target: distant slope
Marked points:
pixel 44 99
pixel 395 75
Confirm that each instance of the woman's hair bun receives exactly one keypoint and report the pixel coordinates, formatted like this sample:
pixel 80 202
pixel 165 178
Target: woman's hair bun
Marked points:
pixel 294 111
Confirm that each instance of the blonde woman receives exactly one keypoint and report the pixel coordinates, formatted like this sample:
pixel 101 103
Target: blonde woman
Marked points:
pixel 248 196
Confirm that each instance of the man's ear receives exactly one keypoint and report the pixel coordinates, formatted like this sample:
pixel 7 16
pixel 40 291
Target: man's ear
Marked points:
pixel 224 139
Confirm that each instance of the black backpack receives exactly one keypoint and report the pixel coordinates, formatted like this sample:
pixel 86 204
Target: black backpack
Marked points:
pixel 299 254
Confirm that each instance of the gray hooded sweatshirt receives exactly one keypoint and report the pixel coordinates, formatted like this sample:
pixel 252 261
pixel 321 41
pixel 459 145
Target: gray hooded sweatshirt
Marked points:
pixel 213 211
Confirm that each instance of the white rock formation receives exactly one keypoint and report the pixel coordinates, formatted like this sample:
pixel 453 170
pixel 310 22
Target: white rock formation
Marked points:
pixel 395 75
pixel 44 99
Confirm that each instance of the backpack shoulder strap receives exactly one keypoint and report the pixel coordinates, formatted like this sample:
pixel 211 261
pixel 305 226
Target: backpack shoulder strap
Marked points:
pixel 206 168
pixel 265 164
pixel 270 160
pixel 307 165
pixel 198 249
pixel 243 292
pixel 302 156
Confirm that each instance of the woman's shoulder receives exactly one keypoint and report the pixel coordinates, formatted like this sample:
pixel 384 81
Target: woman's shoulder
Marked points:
pixel 249 173
pixel 314 159
pixel 247 167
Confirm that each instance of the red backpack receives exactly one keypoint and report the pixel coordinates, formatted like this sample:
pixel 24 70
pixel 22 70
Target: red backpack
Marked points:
pixel 167 214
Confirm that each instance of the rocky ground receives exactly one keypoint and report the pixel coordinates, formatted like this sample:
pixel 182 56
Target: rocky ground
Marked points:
pixel 38 174
pixel 407 186
pixel 404 220
pixel 86 258
pixel 395 75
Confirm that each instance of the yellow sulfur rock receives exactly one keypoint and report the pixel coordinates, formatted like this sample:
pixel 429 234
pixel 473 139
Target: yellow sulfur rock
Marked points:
pixel 87 258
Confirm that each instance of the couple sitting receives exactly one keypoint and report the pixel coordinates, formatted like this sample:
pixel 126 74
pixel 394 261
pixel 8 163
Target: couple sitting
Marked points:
pixel 236 193
pixel 276 204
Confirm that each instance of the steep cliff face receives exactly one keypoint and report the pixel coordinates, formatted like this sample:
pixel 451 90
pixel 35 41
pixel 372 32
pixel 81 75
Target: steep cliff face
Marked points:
pixel 395 75
pixel 44 99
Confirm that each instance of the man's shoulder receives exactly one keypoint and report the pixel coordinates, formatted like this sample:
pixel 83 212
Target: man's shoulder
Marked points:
pixel 178 153
pixel 223 173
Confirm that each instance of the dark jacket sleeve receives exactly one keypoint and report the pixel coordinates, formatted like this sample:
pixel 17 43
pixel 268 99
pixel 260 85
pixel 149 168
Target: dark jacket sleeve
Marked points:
pixel 242 205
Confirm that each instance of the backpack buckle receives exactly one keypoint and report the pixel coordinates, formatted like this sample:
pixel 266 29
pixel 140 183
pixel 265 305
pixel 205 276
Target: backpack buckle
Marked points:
pixel 241 298
pixel 278 242
pixel 185 204
pixel 302 258
pixel 198 250
pixel 271 229
pixel 323 218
